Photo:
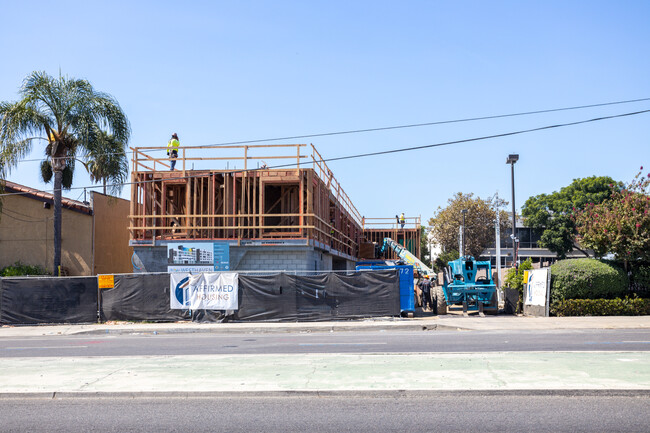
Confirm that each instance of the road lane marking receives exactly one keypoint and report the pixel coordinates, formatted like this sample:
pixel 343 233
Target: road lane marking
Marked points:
pixel 43 347
pixel 341 344
pixel 617 342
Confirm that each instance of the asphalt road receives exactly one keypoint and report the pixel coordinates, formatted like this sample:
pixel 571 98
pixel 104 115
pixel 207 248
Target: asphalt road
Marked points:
pixel 637 340
pixel 354 413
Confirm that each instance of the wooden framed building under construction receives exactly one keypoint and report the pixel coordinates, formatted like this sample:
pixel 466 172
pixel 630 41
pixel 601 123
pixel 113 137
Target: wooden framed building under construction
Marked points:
pixel 292 213
pixel 375 230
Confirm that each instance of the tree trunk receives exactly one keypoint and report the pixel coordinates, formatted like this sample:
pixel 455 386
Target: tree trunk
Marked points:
pixel 104 185
pixel 58 176
pixel 581 250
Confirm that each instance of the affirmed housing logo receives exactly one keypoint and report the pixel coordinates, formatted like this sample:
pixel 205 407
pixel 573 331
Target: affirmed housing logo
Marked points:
pixel 182 292
pixel 204 291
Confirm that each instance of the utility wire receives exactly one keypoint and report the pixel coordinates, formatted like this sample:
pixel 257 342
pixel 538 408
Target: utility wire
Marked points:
pixel 4 212
pixel 417 125
pixel 388 128
pixel 487 137
pixel 384 152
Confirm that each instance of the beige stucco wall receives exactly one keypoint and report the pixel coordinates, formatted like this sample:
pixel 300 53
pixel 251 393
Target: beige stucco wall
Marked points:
pixel 26 235
pixel 112 251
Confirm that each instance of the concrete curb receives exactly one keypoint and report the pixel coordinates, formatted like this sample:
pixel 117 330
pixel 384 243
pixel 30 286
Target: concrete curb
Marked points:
pixel 435 323
pixel 305 329
pixel 330 394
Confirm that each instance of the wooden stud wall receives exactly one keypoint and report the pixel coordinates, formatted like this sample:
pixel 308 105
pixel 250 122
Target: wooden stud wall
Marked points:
pixel 408 238
pixel 257 204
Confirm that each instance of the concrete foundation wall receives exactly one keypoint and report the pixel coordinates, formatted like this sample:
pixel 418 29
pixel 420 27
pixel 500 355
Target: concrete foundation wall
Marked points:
pixel 252 258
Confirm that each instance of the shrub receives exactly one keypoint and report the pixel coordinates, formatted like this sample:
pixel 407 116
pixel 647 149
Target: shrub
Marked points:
pixel 601 307
pixel 587 279
pixel 640 279
pixel 18 269
pixel 515 277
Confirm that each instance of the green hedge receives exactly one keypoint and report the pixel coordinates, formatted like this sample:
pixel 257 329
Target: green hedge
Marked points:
pixel 18 270
pixel 587 279
pixel 640 279
pixel 601 307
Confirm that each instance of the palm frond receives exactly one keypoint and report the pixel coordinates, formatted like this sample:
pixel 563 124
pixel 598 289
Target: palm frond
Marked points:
pixel 46 171
pixel 106 160
pixel 69 114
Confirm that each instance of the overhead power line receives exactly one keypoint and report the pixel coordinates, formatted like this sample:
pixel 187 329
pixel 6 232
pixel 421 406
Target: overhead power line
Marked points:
pixel 441 122
pixel 384 152
pixel 414 125
pixel 487 137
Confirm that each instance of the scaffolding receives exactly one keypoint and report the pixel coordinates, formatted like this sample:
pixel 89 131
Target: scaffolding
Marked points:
pixel 292 200
pixel 376 229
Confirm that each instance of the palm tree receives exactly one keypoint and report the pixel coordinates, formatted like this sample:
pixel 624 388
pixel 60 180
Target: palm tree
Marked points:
pixel 66 113
pixel 106 161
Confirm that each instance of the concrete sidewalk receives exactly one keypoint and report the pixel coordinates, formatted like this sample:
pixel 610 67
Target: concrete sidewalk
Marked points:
pixel 431 323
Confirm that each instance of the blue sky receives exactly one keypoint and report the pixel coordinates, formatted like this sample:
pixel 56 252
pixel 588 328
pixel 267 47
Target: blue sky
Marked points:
pixel 217 72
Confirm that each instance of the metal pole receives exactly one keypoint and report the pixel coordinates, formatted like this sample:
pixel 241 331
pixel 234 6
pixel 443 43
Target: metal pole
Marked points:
pixel 464 211
pixel 514 227
pixel 497 235
pixel 463 234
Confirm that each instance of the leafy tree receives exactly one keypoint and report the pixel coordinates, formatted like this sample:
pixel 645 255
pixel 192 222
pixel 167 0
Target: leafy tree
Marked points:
pixel 621 224
pixel 64 112
pixel 424 247
pixel 479 223
pixel 444 258
pixel 552 213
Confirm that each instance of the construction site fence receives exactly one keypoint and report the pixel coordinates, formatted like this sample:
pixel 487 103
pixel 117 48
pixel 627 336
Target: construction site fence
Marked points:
pixel 262 296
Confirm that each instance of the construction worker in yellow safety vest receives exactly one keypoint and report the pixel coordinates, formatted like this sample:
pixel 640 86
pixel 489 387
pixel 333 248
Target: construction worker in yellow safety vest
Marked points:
pixel 172 149
pixel 402 220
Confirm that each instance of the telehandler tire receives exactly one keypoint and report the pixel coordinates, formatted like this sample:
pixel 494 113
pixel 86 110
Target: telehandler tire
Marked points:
pixel 493 308
pixel 441 302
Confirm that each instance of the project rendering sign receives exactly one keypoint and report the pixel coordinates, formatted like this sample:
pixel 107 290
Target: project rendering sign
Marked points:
pixel 190 257
pixel 205 291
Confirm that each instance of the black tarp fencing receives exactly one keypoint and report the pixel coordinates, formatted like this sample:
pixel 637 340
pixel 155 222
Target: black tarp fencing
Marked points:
pixel 331 296
pixel 139 297
pixel 48 300
pixel 277 297
pixel 146 297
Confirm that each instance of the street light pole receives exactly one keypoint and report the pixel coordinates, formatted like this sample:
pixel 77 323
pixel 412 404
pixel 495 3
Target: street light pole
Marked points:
pixel 512 159
pixel 497 235
pixel 464 212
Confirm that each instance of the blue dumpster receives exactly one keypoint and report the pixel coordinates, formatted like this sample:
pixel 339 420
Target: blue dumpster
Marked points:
pixel 406 292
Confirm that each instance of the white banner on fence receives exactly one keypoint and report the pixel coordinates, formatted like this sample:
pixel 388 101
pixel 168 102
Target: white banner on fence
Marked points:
pixel 186 269
pixel 537 287
pixel 205 291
